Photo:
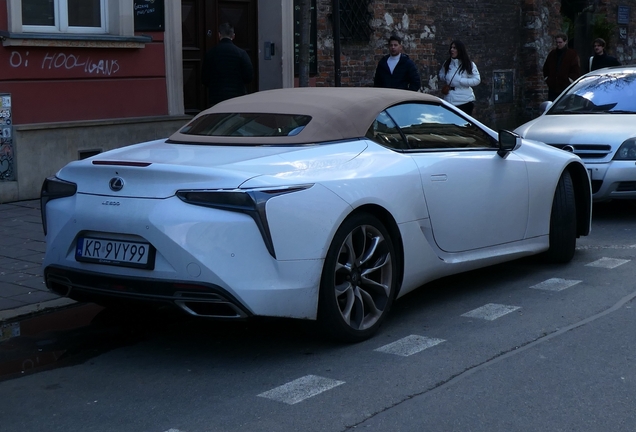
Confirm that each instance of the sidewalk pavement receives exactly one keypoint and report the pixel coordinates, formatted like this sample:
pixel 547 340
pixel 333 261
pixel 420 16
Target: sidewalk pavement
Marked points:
pixel 22 245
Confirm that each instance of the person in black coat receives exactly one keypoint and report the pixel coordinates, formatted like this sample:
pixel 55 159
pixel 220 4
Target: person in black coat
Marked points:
pixel 561 67
pixel 396 70
pixel 227 69
pixel 600 59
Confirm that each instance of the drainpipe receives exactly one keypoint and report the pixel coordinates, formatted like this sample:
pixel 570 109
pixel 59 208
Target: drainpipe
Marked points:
pixel 336 41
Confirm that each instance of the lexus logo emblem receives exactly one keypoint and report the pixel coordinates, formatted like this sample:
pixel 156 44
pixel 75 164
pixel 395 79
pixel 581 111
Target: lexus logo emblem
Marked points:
pixel 116 184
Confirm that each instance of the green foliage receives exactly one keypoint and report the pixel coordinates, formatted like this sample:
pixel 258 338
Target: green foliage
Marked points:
pixel 567 27
pixel 603 28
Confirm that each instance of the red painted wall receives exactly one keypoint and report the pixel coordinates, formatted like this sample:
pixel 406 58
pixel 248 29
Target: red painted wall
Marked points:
pixel 3 15
pixel 66 100
pixel 56 84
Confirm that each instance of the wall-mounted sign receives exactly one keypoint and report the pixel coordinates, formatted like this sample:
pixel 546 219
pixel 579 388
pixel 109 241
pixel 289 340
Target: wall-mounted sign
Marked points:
pixel 313 66
pixel 623 15
pixel 149 15
pixel 7 165
pixel 502 86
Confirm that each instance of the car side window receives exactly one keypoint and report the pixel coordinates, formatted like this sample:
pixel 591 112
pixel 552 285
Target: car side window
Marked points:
pixel 435 127
pixel 385 132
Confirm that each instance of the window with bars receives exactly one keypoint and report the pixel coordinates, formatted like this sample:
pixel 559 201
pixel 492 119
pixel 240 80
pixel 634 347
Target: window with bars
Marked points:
pixel 355 20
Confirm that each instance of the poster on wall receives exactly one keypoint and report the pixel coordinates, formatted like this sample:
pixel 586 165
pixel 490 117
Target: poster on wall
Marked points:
pixel 149 15
pixel 7 171
pixel 313 65
pixel 623 15
pixel 622 18
pixel 502 86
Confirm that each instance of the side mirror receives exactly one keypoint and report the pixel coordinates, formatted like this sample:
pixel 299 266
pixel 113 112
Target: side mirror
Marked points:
pixel 545 106
pixel 508 141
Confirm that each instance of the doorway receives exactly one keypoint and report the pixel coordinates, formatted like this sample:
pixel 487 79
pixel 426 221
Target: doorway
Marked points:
pixel 200 20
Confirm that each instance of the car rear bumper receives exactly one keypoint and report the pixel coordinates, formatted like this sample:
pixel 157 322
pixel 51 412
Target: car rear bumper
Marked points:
pixel 220 252
pixel 204 300
pixel 294 295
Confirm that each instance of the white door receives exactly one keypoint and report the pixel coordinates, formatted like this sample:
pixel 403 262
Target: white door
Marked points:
pixel 475 198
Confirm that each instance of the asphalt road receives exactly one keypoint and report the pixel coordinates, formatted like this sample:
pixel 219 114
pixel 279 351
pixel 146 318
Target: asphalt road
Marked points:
pixel 522 346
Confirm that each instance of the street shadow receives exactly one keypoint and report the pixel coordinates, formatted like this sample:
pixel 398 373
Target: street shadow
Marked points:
pixel 617 211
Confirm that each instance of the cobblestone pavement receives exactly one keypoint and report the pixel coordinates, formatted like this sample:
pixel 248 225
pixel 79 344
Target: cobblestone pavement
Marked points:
pixel 22 289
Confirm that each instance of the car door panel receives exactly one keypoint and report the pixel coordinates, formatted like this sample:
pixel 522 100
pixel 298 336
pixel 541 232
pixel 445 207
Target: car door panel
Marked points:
pixel 476 198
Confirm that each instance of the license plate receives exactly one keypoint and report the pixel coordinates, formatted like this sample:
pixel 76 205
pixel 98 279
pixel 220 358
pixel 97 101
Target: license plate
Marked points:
pixel 115 252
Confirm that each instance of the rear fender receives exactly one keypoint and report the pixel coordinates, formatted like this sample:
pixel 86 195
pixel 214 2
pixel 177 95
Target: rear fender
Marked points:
pixel 583 197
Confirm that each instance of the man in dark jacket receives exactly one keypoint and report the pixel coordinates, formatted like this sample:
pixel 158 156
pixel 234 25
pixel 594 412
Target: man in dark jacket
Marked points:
pixel 396 70
pixel 600 59
pixel 561 67
pixel 227 69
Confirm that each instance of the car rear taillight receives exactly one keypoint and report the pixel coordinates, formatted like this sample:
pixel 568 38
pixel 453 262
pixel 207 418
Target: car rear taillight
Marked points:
pixel 54 188
pixel 251 202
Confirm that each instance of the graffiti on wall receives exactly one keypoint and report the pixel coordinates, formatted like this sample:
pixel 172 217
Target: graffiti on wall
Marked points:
pixel 6 139
pixel 60 60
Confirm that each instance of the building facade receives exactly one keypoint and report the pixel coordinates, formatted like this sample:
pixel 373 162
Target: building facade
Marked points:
pixel 78 77
pixel 508 41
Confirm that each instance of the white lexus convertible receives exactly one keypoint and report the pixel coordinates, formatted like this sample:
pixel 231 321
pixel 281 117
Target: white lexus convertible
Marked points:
pixel 310 203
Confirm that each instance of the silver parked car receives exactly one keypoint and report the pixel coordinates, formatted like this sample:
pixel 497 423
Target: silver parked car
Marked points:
pixel 595 118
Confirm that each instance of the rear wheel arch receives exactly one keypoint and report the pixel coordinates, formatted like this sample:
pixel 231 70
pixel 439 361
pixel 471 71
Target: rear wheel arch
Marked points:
pixel 392 227
pixel 360 278
pixel 582 196
pixel 563 222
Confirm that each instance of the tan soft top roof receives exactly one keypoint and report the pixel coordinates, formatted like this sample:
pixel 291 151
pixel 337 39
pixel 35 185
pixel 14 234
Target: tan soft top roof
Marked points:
pixel 337 112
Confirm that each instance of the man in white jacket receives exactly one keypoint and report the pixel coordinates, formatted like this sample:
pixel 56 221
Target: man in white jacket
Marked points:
pixel 460 75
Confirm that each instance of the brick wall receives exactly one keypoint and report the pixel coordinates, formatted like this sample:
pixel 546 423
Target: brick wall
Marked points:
pixel 624 50
pixel 500 35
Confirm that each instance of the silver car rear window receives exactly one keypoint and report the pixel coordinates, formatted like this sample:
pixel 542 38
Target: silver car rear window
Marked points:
pixel 246 125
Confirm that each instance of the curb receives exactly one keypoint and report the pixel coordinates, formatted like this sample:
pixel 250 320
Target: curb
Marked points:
pixel 32 309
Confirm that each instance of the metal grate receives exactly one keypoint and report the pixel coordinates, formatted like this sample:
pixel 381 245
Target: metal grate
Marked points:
pixel 355 20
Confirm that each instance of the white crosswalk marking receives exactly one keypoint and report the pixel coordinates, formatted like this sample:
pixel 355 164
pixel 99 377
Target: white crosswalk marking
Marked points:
pixel 609 263
pixel 409 345
pixel 555 284
pixel 491 311
pixel 301 389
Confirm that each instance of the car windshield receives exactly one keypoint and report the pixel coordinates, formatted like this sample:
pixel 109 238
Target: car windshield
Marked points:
pixel 605 93
pixel 246 125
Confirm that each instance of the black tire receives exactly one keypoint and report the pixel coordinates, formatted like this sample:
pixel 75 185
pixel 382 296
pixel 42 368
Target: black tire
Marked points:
pixel 358 281
pixel 562 222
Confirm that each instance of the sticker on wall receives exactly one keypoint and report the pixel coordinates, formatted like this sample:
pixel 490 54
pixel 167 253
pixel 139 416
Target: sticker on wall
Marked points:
pixel 7 162
pixel 502 86
pixel 8 331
